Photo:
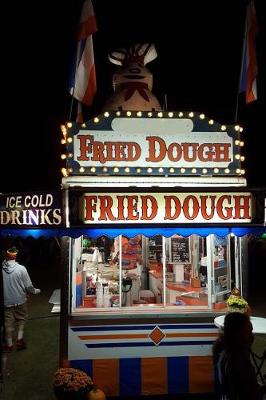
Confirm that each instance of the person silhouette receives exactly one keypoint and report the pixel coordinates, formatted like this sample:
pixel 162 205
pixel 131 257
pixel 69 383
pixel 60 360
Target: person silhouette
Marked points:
pixel 231 356
pixel 16 285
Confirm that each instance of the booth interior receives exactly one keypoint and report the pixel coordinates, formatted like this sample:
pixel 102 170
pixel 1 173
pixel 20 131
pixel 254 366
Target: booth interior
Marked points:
pixel 178 272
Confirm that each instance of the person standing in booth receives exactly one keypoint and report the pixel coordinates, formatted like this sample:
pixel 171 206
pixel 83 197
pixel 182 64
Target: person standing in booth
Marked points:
pixel 16 286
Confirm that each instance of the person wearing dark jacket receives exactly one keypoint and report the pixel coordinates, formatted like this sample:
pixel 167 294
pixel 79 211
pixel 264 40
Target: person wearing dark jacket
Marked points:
pixel 16 285
pixel 231 354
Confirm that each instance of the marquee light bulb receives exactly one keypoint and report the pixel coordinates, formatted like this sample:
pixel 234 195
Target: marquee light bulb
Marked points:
pixel 69 124
pixel 64 172
pixel 170 114
pixel 202 116
pixel 191 114
pixel 211 122
pixel 106 114
pixel 96 120
pixel 180 114
pixel 63 156
pixel 216 170
pixel 128 113
pixel 223 128
pixel 82 169
pixel 63 130
pixel 160 114
pixel 139 113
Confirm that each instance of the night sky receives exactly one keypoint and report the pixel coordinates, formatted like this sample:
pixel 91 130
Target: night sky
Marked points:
pixel 199 45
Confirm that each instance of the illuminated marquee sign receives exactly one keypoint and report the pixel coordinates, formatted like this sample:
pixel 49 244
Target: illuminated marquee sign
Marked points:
pixel 31 209
pixel 162 208
pixel 149 145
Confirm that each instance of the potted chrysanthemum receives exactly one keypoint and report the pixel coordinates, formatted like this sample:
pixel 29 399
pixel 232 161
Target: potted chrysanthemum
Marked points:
pixel 237 304
pixel 71 384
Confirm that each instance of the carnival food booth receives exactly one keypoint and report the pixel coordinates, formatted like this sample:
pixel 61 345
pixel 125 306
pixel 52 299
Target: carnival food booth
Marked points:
pixel 158 215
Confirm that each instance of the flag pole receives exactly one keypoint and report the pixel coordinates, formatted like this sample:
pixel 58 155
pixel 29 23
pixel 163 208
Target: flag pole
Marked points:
pixel 75 78
pixel 241 67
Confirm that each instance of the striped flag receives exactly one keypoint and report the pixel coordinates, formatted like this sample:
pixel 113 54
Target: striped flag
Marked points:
pixel 249 69
pixel 79 117
pixel 83 85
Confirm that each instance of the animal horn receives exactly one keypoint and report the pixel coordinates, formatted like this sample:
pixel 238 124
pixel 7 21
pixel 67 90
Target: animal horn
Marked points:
pixel 117 56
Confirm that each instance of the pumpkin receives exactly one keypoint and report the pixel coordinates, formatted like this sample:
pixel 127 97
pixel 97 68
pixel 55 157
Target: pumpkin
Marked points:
pixel 96 394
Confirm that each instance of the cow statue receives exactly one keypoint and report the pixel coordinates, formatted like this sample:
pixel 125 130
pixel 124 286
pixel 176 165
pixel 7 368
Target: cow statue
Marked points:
pixel 132 83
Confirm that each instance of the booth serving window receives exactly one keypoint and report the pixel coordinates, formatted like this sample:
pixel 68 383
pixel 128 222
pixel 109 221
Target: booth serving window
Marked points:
pixel 122 273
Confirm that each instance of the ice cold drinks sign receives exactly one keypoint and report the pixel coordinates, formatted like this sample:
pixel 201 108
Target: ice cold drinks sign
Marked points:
pixel 166 208
pixel 31 209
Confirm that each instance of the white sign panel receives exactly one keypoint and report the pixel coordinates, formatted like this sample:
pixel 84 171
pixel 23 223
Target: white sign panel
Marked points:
pixel 160 142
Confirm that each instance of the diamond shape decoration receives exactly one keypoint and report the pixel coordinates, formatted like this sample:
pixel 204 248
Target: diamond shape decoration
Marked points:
pixel 157 335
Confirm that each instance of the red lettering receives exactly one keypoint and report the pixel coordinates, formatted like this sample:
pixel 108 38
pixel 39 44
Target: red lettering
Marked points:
pixel 169 209
pixel 132 207
pixel 120 208
pixel 145 207
pixel 90 206
pixel 152 148
pixel 205 152
pixel 187 149
pixel 98 152
pixel 220 207
pixel 106 203
pixel 174 147
pixel 133 148
pixel 84 147
pixel 204 207
pixel 222 151
pixel 242 203
pixel 187 208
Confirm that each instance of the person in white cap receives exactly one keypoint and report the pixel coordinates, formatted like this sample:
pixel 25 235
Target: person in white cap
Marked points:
pixel 17 285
